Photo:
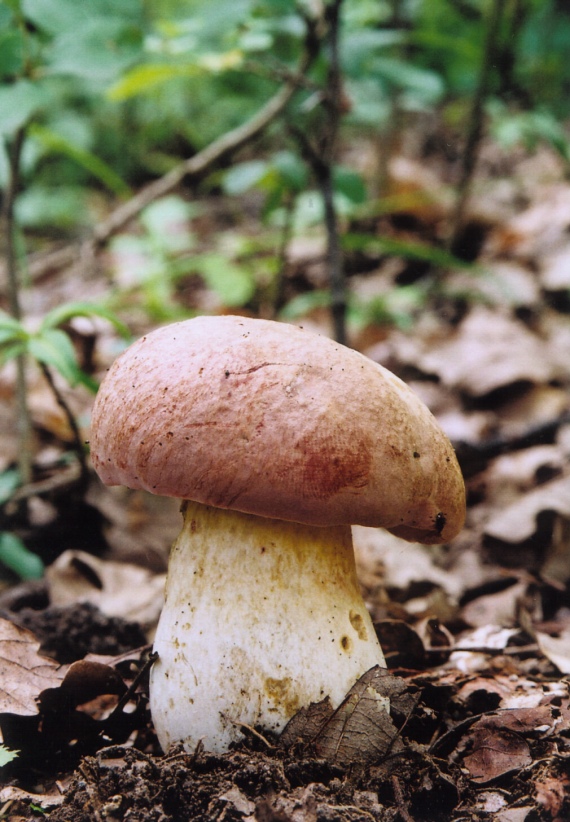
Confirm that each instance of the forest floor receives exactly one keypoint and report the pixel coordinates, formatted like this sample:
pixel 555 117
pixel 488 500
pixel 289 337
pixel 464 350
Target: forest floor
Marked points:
pixel 476 632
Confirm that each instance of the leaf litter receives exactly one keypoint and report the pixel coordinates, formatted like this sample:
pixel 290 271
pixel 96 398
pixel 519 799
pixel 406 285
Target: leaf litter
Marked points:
pixel 476 633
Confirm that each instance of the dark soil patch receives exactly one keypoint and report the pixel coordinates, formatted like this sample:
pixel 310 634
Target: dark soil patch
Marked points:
pixel 70 633
pixel 248 784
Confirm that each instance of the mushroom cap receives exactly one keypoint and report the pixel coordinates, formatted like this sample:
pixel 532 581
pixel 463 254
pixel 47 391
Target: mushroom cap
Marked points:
pixel 272 420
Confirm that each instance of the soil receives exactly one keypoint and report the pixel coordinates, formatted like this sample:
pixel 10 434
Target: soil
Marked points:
pixel 418 778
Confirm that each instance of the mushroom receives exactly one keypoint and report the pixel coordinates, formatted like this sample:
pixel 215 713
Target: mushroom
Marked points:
pixel 277 440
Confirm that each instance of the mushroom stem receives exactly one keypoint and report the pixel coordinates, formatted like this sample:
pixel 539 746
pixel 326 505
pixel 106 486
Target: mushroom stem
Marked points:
pixel 262 617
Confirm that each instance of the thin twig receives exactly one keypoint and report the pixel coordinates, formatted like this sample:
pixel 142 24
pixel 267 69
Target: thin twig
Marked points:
pixel 69 478
pixel 278 289
pixel 24 423
pixel 320 157
pixel 475 125
pixel 72 422
pixel 244 727
pixel 132 689
pixel 401 803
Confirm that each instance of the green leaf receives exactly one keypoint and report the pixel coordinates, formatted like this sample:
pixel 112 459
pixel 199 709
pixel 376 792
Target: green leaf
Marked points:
pixel 142 79
pixel 9 481
pixel 428 85
pixel 53 347
pixel 90 162
pixel 6 755
pixel 302 304
pixel 244 176
pixel 15 556
pixel 291 169
pixel 401 248
pixel 64 313
pixel 99 50
pixel 64 206
pixel 56 16
pixel 167 222
pixel 234 283
pixel 10 328
pixel 8 351
pixel 18 103
pixel 350 184
pixel 11 53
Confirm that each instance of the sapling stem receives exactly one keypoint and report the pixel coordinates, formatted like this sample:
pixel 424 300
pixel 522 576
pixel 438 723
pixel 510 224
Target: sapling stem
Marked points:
pixel 23 420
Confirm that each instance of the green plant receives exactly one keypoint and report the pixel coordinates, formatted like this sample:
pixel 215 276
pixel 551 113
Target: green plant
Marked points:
pixel 6 755
pixel 51 348
pixel 13 553
pixel 50 345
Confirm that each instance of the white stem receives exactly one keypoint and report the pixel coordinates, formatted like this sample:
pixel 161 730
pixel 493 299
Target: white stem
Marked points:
pixel 262 617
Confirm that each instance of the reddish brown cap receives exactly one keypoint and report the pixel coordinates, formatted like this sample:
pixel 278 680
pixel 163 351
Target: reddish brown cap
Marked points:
pixel 272 420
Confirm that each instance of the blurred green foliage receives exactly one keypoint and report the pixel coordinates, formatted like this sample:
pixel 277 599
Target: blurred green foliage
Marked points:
pixel 119 90
pixel 112 93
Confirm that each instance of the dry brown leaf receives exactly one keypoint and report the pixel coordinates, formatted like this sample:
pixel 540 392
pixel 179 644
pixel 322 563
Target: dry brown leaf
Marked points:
pixel 539 404
pixel 556 330
pixel 361 730
pixel 84 681
pixel 485 636
pixel 495 750
pixel 543 226
pixel 495 609
pixel 488 351
pixel 403 562
pixel 555 270
pixel 552 793
pixel 556 649
pixel 139 527
pixel 117 589
pixel 11 793
pixel 518 521
pixel 514 814
pixel 501 283
pixel 24 674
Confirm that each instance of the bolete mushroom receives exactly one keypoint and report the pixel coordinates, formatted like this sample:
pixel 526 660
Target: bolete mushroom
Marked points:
pixel 277 440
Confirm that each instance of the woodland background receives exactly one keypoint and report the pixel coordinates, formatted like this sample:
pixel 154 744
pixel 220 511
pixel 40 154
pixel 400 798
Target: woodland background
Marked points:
pixel 394 174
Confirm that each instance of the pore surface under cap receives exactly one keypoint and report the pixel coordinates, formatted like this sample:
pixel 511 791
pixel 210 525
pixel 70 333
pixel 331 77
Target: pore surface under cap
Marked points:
pixel 272 420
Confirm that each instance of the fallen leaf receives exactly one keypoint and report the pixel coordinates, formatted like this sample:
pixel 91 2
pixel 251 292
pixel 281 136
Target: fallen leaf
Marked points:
pixel 488 351
pixel 23 672
pixel 552 794
pixel 518 521
pixel 84 681
pixel 361 729
pixel 555 270
pixel 502 283
pixel 402 646
pixel 44 800
pixel 494 751
pixel 514 814
pixel 495 609
pixel 116 588
pixel 305 725
pixel 556 649
pixel 238 800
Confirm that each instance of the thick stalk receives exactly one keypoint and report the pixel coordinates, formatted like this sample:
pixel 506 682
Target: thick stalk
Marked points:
pixel 262 617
